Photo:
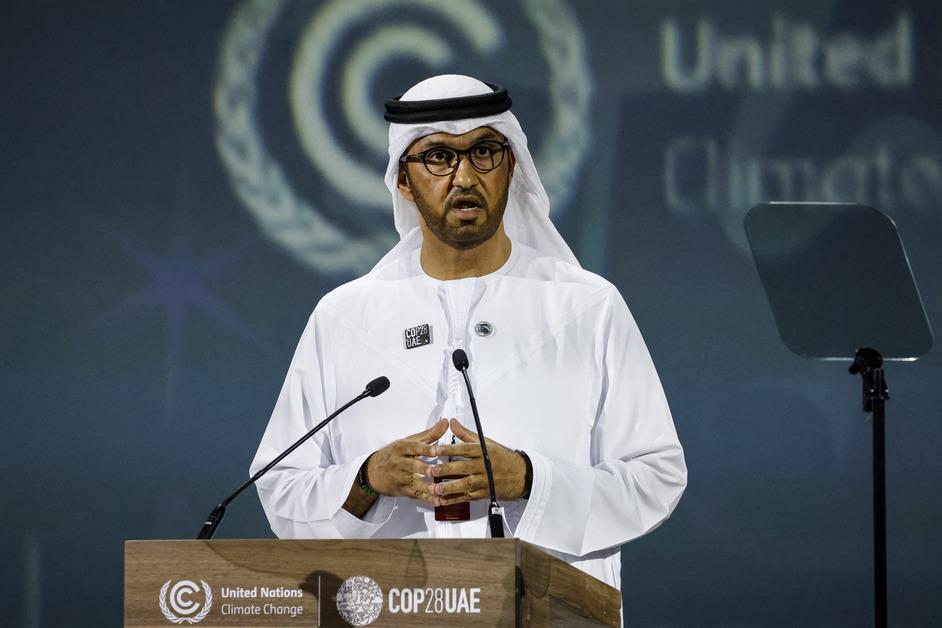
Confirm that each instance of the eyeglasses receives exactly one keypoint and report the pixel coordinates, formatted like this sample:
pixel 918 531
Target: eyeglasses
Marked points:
pixel 442 160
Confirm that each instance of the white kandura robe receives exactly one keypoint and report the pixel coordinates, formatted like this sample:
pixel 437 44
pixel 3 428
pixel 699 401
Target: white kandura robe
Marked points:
pixel 565 376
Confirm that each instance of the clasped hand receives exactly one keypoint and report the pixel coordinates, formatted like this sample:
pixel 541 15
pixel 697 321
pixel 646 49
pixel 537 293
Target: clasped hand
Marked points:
pixel 397 471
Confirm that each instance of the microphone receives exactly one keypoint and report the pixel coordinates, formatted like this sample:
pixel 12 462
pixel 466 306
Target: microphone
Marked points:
pixel 375 388
pixel 460 359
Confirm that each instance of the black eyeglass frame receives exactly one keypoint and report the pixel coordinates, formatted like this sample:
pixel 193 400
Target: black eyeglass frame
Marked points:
pixel 420 157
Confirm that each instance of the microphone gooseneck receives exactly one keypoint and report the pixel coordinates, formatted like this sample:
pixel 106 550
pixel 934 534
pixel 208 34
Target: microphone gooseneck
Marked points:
pixel 375 388
pixel 460 359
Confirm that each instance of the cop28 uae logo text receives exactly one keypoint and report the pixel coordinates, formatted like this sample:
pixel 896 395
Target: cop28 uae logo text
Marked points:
pixel 185 602
pixel 334 213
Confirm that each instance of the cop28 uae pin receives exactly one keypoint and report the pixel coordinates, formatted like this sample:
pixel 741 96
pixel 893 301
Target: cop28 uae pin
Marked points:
pixel 418 336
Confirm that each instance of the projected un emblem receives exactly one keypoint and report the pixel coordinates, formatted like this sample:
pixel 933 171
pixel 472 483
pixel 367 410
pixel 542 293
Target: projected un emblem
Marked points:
pixel 342 53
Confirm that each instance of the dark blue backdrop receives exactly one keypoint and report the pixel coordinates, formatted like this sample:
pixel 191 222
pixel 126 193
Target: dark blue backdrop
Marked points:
pixel 182 181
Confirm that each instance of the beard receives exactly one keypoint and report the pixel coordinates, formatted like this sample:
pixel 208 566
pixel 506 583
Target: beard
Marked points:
pixel 458 233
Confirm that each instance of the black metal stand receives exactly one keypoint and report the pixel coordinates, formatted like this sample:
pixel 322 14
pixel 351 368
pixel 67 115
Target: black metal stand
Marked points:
pixel 868 295
pixel 868 363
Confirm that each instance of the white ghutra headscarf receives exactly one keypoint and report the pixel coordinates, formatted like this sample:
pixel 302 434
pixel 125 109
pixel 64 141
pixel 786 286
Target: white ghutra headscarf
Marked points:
pixel 526 217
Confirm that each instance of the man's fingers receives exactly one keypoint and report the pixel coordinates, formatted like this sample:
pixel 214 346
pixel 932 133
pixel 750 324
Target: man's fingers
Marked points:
pixel 413 466
pixel 417 488
pixel 421 496
pixel 464 450
pixel 463 433
pixel 470 496
pixel 431 434
pixel 412 448
pixel 460 467
pixel 436 431
pixel 464 485
pixel 411 481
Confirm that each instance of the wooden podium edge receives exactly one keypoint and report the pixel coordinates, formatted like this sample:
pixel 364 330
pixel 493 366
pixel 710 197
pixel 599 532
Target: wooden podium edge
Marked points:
pixel 548 586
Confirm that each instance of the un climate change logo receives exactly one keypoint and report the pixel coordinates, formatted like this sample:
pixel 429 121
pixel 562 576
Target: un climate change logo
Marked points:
pixel 182 608
pixel 344 49
pixel 359 600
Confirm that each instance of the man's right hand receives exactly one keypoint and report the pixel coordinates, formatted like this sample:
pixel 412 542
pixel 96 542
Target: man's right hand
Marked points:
pixel 396 470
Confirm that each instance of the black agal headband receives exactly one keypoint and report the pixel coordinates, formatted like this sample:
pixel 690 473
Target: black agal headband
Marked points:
pixel 441 109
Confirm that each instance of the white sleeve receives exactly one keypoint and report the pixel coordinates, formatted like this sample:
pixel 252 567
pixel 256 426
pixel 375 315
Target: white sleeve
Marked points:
pixel 637 472
pixel 303 495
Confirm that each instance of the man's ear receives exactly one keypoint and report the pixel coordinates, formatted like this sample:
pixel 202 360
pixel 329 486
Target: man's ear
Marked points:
pixel 513 162
pixel 405 188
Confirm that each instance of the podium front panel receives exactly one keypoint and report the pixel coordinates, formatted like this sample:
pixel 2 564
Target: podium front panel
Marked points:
pixel 426 582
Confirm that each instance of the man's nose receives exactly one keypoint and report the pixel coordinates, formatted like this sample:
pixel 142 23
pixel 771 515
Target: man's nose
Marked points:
pixel 465 175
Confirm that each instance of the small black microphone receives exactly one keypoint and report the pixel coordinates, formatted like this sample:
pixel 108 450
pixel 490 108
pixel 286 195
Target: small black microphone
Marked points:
pixel 460 359
pixel 376 387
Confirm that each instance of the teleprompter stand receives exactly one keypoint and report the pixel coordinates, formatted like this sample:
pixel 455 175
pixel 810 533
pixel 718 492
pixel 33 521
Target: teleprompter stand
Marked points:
pixel 868 363
pixel 837 279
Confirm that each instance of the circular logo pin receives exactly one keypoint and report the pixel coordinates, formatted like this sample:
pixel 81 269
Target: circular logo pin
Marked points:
pixel 483 328
pixel 359 600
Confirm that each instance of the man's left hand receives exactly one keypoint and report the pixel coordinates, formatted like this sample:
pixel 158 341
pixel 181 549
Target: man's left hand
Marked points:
pixel 508 467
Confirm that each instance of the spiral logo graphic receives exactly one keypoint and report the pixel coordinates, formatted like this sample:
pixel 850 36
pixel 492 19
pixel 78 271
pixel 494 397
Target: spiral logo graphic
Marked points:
pixel 182 607
pixel 342 53
pixel 359 600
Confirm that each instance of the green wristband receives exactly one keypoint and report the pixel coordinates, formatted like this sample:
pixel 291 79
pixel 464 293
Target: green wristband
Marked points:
pixel 364 481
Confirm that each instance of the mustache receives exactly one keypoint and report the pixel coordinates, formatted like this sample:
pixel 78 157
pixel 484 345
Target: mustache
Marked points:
pixel 466 196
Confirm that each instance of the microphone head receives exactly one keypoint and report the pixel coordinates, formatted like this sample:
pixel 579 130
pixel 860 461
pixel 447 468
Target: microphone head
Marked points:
pixel 460 359
pixel 378 386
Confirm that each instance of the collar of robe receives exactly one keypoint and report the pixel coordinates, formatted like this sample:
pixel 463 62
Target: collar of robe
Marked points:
pixel 442 109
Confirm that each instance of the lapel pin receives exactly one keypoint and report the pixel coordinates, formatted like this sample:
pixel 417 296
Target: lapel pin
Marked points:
pixel 483 328
pixel 418 336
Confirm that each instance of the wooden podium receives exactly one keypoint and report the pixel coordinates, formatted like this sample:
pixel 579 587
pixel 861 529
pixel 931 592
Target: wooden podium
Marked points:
pixel 411 582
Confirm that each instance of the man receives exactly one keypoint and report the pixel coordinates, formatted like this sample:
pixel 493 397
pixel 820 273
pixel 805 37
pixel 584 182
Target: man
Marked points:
pixel 584 451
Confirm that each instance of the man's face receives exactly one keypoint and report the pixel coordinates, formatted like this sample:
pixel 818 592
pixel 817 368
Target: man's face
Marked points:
pixel 465 208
